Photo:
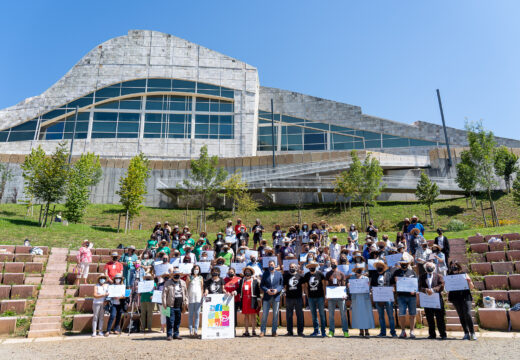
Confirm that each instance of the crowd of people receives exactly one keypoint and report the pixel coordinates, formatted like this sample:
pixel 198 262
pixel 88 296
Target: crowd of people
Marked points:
pixel 296 267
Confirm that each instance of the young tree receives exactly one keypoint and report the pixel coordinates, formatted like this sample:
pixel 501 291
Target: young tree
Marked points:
pixel 516 191
pixel 427 191
pixel 46 176
pixel 205 179
pixel 466 176
pixel 347 182
pixel 505 165
pixel 369 183
pixel 246 205
pixel 5 175
pixel 482 152
pixel 132 187
pixel 235 187
pixel 84 174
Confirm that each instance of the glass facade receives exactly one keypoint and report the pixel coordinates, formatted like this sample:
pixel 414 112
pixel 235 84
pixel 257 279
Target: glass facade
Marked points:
pixel 297 134
pixel 183 109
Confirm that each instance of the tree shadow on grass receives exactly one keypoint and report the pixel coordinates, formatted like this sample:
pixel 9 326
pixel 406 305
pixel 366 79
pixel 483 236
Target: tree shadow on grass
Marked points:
pixel 7 213
pixel 23 222
pixel 451 210
pixel 113 211
pixel 104 228
pixel 216 216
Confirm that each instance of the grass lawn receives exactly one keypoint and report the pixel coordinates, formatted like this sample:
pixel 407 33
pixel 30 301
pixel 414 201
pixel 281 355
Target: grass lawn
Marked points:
pixel 100 223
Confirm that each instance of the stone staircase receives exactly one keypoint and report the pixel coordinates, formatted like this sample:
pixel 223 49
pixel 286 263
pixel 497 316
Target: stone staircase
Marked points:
pixel 46 319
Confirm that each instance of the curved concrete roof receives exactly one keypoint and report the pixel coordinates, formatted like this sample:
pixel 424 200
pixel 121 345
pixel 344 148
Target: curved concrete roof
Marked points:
pixel 139 54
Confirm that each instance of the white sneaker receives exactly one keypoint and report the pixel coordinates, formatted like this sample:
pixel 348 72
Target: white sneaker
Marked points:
pixel 101 333
pixel 94 335
pixel 473 336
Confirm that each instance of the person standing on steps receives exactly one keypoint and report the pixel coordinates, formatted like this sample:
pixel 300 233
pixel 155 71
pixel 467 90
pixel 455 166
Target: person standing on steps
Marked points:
pixel 98 305
pixel 432 283
pixel 174 297
pixel 293 283
pixel 315 285
pixel 272 286
pixel 337 278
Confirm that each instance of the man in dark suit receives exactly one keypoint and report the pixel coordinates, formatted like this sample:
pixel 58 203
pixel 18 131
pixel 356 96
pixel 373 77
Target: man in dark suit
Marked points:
pixel 443 242
pixel 432 283
pixel 271 285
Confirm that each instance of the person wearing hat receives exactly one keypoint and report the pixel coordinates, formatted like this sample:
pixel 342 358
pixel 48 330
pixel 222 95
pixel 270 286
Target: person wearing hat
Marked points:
pixel 277 238
pixel 129 260
pixel 116 309
pixel 113 267
pixel 146 262
pixel 324 232
pixel 439 259
pixel 175 297
pixel 157 227
pixel 249 288
pixel 199 246
pixel 174 237
pixel 98 305
pixel 362 316
pixel 372 230
pixel 195 284
pixel 357 258
pixel 378 278
pixel 163 247
pixel 405 300
pixel 293 284
pixel 226 253
pixel 219 243
pixel 152 244
pixel 463 302
pixel 353 233
pixel 231 238
pixel 444 244
pixel 242 236
pixel 422 255
pixel 272 286
pixel 401 249
pixel 257 230
pixel 189 239
pixel 160 286
pixel 315 285
pixel 84 258
pixel 415 224
pixel 304 234
pixel 188 257
pixel 351 246
pixel 337 278
pixel 366 248
pixel 285 250
pixel 432 283
pixel 315 231
pixel 415 241
pixel 147 306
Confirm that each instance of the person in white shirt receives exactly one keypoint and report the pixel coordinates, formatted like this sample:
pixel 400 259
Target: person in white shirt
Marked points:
pixel 98 305
pixel 334 248
pixel 195 289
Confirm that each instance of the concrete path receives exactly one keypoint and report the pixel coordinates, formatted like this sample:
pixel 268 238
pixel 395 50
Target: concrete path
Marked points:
pixel 46 321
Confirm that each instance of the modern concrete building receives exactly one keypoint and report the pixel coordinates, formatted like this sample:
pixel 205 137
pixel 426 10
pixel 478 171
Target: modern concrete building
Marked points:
pixel 164 96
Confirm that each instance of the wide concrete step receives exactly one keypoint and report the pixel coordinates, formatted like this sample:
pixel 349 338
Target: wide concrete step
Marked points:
pixel 43 333
pixel 451 327
pixel 46 326
pixel 453 313
pixel 45 320
pixel 456 321
pixel 49 302
pixel 48 312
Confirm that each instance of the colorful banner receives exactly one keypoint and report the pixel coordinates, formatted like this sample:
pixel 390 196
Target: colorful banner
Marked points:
pixel 218 317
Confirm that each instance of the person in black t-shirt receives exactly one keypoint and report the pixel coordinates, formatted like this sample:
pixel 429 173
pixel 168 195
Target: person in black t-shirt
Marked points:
pixel 215 284
pixel 372 230
pixel 315 291
pixel 293 282
pixel 257 230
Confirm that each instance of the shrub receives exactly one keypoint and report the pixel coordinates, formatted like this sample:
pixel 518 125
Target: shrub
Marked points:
pixel 455 225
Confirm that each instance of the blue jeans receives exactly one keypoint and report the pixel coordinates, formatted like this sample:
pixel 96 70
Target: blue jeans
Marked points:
pixel 265 314
pixel 389 307
pixel 173 322
pixel 320 304
pixel 115 313
pixel 340 303
pixel 129 275
pixel 193 316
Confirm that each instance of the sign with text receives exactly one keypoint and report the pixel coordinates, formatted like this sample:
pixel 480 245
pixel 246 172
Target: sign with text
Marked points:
pixel 218 317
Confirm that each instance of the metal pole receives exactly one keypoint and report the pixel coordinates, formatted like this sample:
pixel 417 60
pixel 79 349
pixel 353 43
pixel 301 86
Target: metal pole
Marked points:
pixel 444 127
pixel 272 132
pixel 73 134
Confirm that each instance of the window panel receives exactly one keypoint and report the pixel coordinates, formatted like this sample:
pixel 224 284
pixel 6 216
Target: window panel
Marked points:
pixel 105 116
pixel 108 105
pixel 202 105
pixel 127 135
pixel 21 135
pixel 153 118
pixel 103 126
pixel 183 86
pixel 159 84
pixel 370 144
pixel 140 83
pixel 208 89
pixel 130 104
pixel 108 92
pixel 3 135
pixel 395 142
pixel 81 102
pixel 128 127
pixel 129 117
pixel 152 127
pixel 103 135
pixel 228 93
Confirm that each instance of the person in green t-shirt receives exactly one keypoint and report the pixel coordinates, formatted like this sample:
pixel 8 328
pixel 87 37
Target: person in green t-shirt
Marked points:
pixel 152 243
pixel 189 240
pixel 226 254
pixel 199 247
pixel 147 307
pixel 164 248
pixel 182 242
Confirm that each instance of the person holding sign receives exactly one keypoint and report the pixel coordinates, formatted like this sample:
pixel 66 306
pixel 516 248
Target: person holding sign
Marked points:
pixel 406 300
pixel 271 285
pixel 175 300
pixel 362 316
pixel 147 306
pixel 195 285
pixel 381 278
pixel 315 285
pixel 231 282
pixel 116 309
pixel 432 283
pixel 462 301
pixel 250 304
pixel 293 283
pixel 100 294
pixel 215 284
pixel 336 278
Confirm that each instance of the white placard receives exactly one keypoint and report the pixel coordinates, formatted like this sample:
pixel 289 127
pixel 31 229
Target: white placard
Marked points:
pixel 430 301
pixel 116 291
pixel 239 267
pixel 205 267
pixel 231 239
pixel 250 253
pixel 266 259
pixel 455 282
pixel 223 270
pixel 383 293
pixel 346 269
pixel 391 260
pixel 287 263
pixel 185 268
pixel 175 261
pixel 145 286
pixel 303 257
pixel 161 268
pixel 371 264
pixel 210 253
pixel 406 284
pixel 358 286
pixel 218 317
pixel 157 296
pixel 336 292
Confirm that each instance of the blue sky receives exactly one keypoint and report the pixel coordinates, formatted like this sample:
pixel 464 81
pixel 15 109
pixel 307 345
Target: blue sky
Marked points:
pixel 386 56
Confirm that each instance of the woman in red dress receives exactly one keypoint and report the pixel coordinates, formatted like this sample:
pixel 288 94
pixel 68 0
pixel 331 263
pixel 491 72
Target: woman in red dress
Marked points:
pixel 249 293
